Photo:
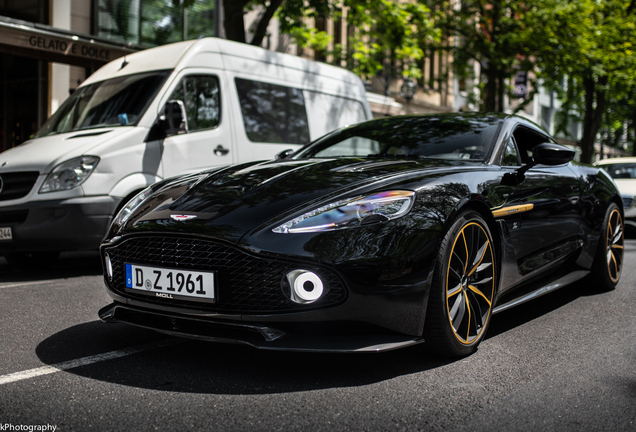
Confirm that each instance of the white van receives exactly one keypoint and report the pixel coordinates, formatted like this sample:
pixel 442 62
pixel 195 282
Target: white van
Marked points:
pixel 155 114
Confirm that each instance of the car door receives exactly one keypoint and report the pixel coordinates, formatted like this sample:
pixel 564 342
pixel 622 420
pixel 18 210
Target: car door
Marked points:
pixel 544 224
pixel 205 139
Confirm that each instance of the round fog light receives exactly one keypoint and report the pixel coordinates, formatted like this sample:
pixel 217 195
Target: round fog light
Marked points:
pixel 306 286
pixel 109 267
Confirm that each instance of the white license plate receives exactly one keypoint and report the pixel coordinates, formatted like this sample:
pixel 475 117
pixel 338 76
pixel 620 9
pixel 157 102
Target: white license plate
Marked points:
pixel 170 283
pixel 5 234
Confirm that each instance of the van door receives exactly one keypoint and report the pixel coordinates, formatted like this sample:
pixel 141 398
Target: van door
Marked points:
pixel 205 139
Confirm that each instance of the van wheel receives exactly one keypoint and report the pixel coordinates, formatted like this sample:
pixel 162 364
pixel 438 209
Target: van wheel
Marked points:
pixel 32 260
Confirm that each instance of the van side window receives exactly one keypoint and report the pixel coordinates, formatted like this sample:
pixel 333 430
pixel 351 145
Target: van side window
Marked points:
pixel 273 113
pixel 202 100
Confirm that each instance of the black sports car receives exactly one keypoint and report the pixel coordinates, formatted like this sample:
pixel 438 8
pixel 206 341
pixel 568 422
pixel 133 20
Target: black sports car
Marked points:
pixel 377 236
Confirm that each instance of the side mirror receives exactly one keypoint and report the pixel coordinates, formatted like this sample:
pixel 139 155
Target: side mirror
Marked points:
pixel 552 154
pixel 284 154
pixel 543 154
pixel 173 118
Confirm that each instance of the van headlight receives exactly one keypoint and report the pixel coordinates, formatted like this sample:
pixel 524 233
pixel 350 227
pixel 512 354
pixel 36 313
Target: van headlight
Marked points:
pixel 351 212
pixel 69 174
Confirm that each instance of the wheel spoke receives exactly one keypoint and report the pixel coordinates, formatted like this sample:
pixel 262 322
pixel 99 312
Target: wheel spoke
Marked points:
pixel 454 290
pixel 461 262
pixel 477 317
pixel 479 258
pixel 618 235
pixel 469 318
pixel 457 311
pixel 479 293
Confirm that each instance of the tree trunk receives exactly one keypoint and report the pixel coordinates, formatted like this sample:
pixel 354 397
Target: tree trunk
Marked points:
pixel 261 29
pixel 233 22
pixel 594 108
pixel 490 99
pixel 501 82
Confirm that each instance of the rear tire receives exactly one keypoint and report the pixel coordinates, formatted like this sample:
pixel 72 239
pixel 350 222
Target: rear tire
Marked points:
pixel 463 288
pixel 608 262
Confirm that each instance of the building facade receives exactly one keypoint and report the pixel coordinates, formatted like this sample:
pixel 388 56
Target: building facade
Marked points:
pixel 48 47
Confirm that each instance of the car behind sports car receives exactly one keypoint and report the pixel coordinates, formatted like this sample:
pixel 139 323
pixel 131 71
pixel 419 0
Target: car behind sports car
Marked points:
pixel 623 171
pixel 379 235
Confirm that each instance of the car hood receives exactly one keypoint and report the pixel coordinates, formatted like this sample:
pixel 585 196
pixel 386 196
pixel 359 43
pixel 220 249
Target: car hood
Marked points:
pixel 232 201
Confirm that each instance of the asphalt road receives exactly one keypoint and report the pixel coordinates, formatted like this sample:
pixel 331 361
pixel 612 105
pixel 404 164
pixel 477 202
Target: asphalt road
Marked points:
pixel 566 361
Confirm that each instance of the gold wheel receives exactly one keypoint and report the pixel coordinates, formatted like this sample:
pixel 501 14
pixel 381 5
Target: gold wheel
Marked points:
pixel 614 245
pixel 470 283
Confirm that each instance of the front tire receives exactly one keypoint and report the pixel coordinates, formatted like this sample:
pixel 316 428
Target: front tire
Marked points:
pixel 463 288
pixel 608 263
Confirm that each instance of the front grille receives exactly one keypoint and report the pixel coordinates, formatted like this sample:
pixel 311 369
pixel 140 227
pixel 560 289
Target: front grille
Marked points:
pixel 627 201
pixel 17 185
pixel 246 283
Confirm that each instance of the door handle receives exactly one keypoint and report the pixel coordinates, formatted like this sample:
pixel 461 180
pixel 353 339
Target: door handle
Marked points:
pixel 220 150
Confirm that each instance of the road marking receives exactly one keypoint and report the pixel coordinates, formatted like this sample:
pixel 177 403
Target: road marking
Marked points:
pixel 84 361
pixel 30 283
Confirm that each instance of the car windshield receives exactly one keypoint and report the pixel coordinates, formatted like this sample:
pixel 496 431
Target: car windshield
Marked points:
pixel 621 170
pixel 115 102
pixel 458 136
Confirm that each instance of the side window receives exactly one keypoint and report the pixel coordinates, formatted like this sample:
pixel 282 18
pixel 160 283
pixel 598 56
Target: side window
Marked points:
pixel 202 100
pixel 510 157
pixel 273 113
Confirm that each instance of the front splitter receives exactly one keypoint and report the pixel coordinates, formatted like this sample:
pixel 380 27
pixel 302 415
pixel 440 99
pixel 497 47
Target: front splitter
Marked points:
pixel 255 335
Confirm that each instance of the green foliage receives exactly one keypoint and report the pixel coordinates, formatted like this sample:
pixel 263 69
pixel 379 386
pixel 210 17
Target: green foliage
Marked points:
pixel 389 34
pixel 589 58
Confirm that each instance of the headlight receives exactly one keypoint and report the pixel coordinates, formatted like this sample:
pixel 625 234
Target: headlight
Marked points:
pixel 132 205
pixel 351 212
pixel 69 174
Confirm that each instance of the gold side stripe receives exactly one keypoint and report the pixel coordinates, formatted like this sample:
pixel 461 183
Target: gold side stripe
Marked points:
pixel 505 211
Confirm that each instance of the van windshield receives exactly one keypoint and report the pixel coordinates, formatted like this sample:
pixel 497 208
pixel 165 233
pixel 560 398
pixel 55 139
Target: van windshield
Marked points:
pixel 115 102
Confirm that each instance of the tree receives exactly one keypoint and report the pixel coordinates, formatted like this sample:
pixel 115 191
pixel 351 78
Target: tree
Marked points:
pixel 493 33
pixel 590 60
pixel 388 37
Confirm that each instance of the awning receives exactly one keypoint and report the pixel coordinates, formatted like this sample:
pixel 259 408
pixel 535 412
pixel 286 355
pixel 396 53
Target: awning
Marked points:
pixel 47 43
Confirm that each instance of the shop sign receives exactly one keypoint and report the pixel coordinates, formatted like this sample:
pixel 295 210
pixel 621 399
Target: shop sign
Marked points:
pixel 26 37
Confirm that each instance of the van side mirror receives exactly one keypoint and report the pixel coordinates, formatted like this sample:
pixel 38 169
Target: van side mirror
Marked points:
pixel 283 155
pixel 173 119
pixel 552 154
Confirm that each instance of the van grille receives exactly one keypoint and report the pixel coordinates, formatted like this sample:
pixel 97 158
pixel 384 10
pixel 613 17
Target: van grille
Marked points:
pixel 17 185
pixel 246 283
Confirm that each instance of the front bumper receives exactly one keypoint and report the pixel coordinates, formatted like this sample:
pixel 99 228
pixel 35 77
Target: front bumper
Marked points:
pixel 253 302
pixel 60 225
pixel 253 334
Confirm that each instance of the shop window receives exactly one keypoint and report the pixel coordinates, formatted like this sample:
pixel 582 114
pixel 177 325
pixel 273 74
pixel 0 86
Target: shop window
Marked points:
pixel 154 22
pixel 273 113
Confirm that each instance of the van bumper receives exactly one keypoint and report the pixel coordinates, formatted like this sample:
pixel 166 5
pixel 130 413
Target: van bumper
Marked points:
pixel 60 225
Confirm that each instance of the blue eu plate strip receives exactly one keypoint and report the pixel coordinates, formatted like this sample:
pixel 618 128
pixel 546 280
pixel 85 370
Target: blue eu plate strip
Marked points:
pixel 128 276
